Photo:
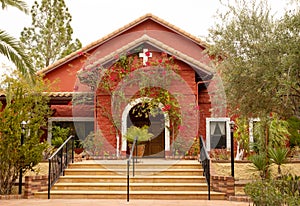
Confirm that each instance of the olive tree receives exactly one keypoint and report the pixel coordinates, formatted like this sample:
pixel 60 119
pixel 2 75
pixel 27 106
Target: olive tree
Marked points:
pixel 23 102
pixel 258 57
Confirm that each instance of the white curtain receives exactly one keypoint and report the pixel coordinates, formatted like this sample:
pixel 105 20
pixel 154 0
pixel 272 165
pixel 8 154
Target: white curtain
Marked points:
pixel 212 127
pixel 222 127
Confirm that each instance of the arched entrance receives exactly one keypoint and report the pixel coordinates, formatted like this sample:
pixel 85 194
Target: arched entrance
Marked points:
pixel 158 124
pixel 140 116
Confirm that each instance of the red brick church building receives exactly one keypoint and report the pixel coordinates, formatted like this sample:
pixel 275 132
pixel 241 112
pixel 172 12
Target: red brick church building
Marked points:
pixel 100 88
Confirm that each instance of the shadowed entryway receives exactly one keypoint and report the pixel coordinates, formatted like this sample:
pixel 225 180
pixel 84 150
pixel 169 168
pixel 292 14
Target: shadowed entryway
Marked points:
pixel 140 116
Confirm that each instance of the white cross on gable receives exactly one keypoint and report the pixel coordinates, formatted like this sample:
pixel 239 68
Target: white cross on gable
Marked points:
pixel 145 55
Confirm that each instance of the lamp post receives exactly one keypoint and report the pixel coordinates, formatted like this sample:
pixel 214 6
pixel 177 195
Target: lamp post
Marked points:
pixel 232 147
pixel 23 127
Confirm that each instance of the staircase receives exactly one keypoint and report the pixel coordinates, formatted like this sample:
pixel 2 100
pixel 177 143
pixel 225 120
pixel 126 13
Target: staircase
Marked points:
pixel 154 179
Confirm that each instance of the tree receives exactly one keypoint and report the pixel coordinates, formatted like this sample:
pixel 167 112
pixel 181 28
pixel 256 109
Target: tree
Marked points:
pixel 9 46
pixel 258 57
pixel 24 102
pixel 50 36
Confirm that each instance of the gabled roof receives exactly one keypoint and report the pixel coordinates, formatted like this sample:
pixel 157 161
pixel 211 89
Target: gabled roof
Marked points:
pixel 123 29
pixel 199 67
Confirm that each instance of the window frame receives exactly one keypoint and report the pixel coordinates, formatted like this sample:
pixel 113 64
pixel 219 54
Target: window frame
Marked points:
pixel 208 136
pixel 65 119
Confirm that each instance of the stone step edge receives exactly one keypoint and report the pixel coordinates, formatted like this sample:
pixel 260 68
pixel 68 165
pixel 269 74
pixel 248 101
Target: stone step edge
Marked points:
pixel 131 184
pixel 136 169
pixel 131 177
pixel 138 164
pixel 88 192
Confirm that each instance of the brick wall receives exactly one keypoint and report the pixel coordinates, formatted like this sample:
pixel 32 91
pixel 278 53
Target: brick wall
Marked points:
pixel 34 184
pixel 10 197
pixel 223 184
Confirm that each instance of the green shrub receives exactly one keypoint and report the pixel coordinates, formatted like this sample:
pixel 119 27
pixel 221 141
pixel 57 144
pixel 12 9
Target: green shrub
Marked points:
pixel 93 143
pixel 264 193
pixel 284 191
pixel 293 127
pixel 260 163
pixel 142 134
pixel 278 156
pixel 24 102
pixel 59 135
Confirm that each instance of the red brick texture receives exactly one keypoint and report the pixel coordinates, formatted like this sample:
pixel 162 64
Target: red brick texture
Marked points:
pixel 34 184
pixel 10 197
pixel 223 184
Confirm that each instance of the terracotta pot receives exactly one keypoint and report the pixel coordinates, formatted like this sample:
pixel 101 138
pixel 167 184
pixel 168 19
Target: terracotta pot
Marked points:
pixel 78 150
pixel 140 150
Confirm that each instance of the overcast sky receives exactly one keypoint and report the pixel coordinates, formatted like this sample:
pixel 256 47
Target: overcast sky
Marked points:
pixel 93 19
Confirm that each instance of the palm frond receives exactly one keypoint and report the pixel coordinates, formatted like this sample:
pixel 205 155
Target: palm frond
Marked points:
pixel 278 156
pixel 10 48
pixel 21 5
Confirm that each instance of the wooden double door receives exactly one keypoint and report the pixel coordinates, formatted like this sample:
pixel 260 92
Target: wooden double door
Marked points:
pixel 156 146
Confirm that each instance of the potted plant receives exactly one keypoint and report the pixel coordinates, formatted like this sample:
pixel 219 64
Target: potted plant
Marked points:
pixel 143 135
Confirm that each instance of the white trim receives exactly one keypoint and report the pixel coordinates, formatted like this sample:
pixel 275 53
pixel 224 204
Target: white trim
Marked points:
pixel 118 145
pixel 65 119
pixel 124 123
pixel 251 127
pixel 219 119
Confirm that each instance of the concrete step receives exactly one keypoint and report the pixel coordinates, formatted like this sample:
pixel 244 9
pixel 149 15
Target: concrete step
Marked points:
pixel 123 179
pixel 94 164
pixel 163 195
pixel 133 186
pixel 154 179
pixel 138 171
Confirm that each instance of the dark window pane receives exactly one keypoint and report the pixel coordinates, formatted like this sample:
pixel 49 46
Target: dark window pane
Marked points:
pixel 218 135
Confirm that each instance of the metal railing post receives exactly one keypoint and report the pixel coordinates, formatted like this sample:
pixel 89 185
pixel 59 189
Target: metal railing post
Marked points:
pixel 208 179
pixel 49 178
pixel 61 160
pixel 67 153
pixel 131 157
pixel 205 161
pixel 60 163
pixel 128 163
pixel 73 149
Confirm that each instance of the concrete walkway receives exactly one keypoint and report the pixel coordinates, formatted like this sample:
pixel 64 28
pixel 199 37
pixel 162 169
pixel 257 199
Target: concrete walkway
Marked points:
pixel 82 202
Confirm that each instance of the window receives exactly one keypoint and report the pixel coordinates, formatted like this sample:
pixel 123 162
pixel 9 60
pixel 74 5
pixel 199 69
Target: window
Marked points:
pixel 79 127
pixel 217 133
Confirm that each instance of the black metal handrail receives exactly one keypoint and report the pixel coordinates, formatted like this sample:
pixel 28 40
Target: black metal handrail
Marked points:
pixel 131 157
pixel 205 161
pixel 59 161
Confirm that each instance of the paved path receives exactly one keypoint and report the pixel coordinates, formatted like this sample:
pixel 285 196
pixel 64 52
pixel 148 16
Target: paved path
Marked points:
pixel 81 202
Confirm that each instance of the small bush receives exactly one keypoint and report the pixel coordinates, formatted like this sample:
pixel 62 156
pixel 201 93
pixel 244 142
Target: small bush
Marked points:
pixel 264 192
pixel 284 191
pixel 294 125
pixel 220 154
pixel 93 143
pixel 59 135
